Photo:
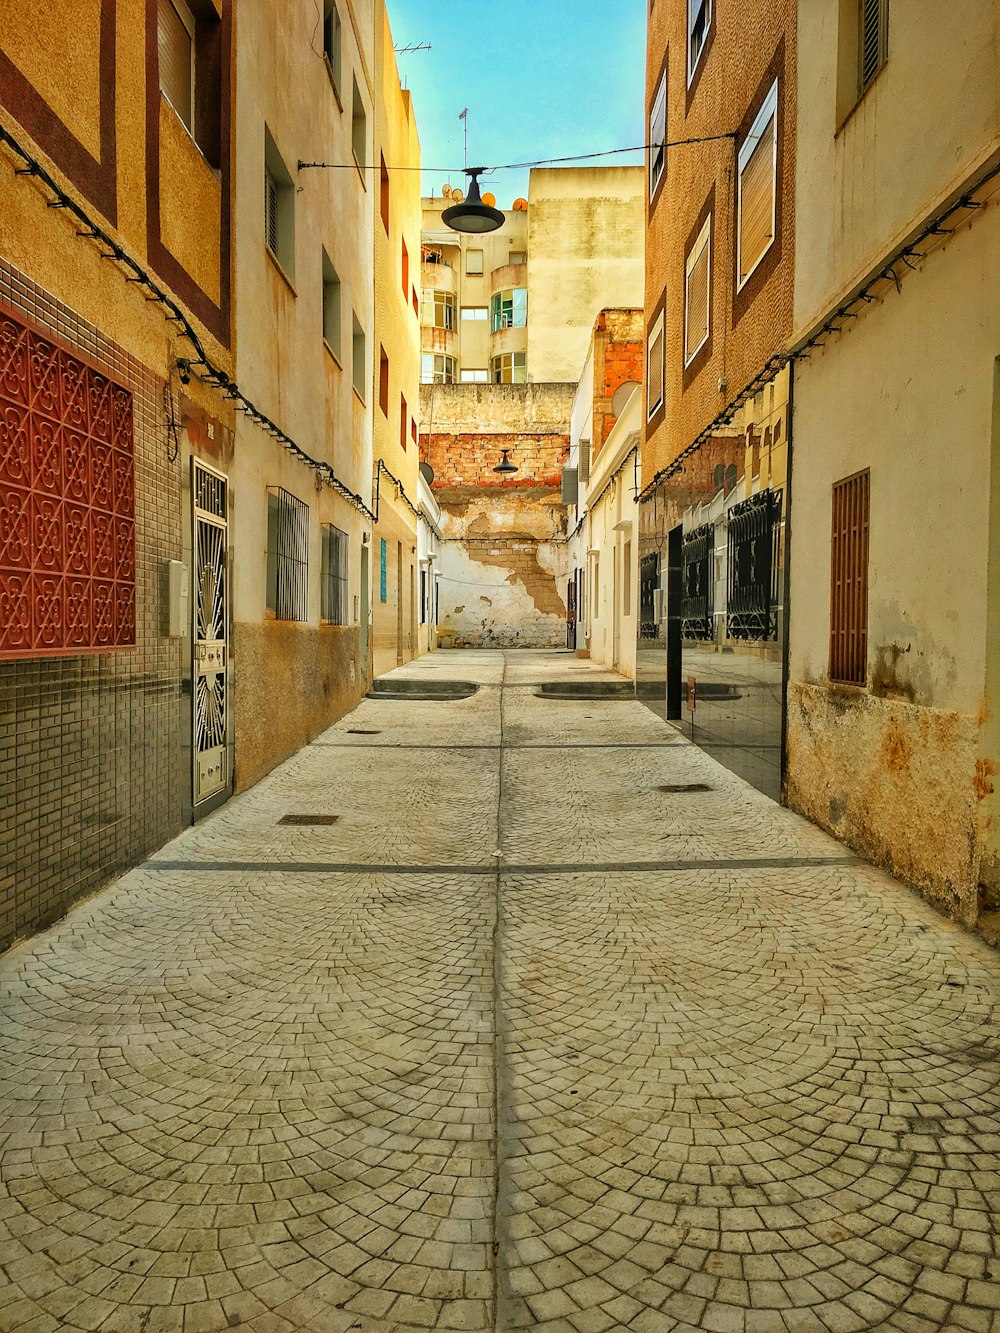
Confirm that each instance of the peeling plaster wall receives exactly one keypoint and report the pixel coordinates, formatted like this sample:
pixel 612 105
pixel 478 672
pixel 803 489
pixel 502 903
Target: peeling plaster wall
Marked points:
pixel 503 566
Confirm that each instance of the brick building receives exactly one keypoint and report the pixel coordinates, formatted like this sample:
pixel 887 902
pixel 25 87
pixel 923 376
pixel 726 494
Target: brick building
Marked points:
pixel 720 98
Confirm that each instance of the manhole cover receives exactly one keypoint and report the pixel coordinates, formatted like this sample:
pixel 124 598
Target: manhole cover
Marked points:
pixel 363 731
pixel 308 819
pixel 685 786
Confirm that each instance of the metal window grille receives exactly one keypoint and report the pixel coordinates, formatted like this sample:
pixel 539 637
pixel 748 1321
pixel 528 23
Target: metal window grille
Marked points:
pixel 753 564
pixel 333 576
pixel 873 34
pixel 271 212
pixel 849 581
pixel 649 584
pixel 698 597
pixel 287 555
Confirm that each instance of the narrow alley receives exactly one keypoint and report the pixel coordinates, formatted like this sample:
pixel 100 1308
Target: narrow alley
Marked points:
pixel 498 1007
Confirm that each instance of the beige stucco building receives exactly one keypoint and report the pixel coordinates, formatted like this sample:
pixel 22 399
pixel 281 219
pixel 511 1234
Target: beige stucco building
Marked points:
pixel 304 293
pixel 893 738
pixel 396 365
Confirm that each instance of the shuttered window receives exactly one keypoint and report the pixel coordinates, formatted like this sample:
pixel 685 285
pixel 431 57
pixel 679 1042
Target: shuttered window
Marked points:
pixel 654 368
pixel 175 44
pixel 699 22
pixel 697 287
pixel 757 187
pixel 271 212
pixel 658 136
pixel 849 581
pixel 873 33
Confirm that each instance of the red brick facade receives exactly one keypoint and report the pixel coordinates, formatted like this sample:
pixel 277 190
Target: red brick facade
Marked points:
pixel 468 460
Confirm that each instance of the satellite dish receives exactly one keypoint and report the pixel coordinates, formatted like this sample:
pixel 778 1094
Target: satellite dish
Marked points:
pixel 427 472
pixel 490 200
pixel 445 191
pixel 457 196
pixel 520 205
pixel 622 394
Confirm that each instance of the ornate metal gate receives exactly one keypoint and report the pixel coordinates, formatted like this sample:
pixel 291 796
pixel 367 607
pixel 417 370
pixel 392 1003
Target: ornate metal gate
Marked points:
pixel 212 766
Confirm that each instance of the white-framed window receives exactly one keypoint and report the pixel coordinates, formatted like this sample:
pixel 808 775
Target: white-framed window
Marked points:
pixel 279 207
pixel 474 261
pixel 474 312
pixel 658 136
pixel 333 576
pixel 438 310
pixel 699 22
pixel 331 306
pixel 873 40
pixel 756 189
pixel 332 41
pixel 697 293
pixel 509 309
pixel 509 368
pixel 654 367
pixel 476 376
pixel 175 36
pixel 436 368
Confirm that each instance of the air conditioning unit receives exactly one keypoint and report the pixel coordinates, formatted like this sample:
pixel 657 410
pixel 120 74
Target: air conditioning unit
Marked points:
pixel 570 486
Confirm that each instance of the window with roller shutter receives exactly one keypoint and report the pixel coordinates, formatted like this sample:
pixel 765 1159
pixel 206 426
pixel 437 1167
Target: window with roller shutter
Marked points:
pixel 756 191
pixel 175 35
pixel 697 290
pixel 873 40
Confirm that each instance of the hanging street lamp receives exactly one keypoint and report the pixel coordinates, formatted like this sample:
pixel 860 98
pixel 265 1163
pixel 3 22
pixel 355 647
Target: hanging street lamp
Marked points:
pixel 505 466
pixel 472 215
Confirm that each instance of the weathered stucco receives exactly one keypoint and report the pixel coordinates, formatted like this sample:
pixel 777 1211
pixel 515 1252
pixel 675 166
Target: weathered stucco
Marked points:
pixel 898 783
pixel 316 678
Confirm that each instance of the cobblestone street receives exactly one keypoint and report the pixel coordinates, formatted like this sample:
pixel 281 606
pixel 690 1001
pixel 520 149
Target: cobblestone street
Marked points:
pixel 524 1039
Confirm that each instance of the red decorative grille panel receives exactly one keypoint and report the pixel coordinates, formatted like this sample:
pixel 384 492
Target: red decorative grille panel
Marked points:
pixel 67 501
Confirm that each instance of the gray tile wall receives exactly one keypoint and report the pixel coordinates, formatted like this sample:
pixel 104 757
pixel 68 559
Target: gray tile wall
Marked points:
pixel 91 768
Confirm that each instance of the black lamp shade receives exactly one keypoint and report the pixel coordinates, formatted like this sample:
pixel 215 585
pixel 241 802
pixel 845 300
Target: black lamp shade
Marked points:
pixel 505 465
pixel 472 215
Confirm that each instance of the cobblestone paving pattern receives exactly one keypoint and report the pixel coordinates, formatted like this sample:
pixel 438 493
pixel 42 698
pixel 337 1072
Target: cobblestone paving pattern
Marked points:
pixel 241 1091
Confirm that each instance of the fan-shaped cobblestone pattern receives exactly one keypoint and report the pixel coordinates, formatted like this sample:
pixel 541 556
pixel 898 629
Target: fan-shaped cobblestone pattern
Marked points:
pixel 242 1090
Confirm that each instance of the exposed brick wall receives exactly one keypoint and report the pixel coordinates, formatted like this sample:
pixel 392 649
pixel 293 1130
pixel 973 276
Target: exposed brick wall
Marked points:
pixel 622 363
pixel 469 459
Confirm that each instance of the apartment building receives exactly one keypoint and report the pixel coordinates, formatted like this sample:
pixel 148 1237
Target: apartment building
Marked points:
pixel 115 265
pixel 893 738
pixel 720 97
pixel 301 535
pixel 396 352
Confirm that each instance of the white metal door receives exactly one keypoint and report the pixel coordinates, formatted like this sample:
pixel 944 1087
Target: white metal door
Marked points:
pixel 212 764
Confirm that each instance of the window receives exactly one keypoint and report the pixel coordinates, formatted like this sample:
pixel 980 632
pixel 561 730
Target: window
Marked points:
pixel 383 197
pixel 873 40
pixel 332 41
pixel 476 376
pixel 439 310
pixel 435 368
pixel 331 306
pixel 658 136
pixel 698 584
pixel 383 574
pixel 413 430
pixel 697 293
pixel 359 129
pixel 849 581
pixel 383 381
pixel 474 312
pixel 423 595
pixel 699 22
pixel 175 37
pixel 517 257
pixel 402 421
pixel 654 368
pixel 509 309
pixel 405 268
pixel 287 555
pixel 189 54
pixel 756 189
pixel 416 303
pixel 333 576
pixel 473 261
pixel 510 368
pixel 279 207
pixel 359 357
pixel 627 579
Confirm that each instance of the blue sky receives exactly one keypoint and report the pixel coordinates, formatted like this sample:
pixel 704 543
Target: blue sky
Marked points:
pixel 541 78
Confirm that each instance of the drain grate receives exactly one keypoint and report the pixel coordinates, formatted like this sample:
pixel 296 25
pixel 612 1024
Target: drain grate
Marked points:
pixel 685 786
pixel 363 731
pixel 308 819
